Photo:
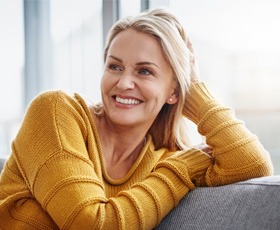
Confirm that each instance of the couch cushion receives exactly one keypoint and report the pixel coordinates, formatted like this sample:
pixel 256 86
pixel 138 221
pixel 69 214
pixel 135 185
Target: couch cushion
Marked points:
pixel 252 204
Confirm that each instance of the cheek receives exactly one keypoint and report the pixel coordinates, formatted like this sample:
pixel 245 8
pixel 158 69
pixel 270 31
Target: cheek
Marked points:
pixel 155 93
pixel 106 83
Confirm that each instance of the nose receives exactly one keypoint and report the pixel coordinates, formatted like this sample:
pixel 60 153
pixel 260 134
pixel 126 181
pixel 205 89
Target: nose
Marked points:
pixel 126 81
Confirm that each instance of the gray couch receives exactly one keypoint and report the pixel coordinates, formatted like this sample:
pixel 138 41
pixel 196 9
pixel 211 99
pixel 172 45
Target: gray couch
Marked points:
pixel 253 204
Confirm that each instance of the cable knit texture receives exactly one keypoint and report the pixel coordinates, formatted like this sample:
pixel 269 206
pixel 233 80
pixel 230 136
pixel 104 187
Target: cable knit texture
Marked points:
pixel 55 177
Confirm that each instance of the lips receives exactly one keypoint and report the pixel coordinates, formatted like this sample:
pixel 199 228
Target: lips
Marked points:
pixel 127 101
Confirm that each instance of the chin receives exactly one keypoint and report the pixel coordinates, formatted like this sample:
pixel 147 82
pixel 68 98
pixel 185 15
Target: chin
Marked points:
pixel 125 121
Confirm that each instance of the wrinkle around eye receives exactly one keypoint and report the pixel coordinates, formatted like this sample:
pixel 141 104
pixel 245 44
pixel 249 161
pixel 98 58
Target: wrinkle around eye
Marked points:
pixel 114 67
pixel 146 71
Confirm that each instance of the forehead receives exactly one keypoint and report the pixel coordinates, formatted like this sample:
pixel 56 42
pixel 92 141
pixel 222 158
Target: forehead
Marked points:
pixel 136 43
pixel 133 34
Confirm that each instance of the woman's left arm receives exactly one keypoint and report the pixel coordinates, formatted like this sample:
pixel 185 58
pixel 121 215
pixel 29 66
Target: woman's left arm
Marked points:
pixel 237 153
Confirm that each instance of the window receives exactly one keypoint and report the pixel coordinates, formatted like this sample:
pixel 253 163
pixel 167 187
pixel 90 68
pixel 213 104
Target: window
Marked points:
pixel 11 71
pixel 76 32
pixel 129 7
pixel 237 44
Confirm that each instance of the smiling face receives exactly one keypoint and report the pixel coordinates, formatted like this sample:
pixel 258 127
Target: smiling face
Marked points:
pixel 137 80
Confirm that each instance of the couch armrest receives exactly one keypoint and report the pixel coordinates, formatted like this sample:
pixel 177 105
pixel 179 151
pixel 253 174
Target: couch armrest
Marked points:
pixel 252 204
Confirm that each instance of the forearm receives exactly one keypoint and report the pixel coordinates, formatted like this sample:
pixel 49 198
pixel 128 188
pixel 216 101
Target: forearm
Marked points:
pixel 148 202
pixel 237 152
pixel 79 203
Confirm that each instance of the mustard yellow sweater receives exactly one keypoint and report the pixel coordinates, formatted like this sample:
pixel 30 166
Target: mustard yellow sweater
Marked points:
pixel 55 177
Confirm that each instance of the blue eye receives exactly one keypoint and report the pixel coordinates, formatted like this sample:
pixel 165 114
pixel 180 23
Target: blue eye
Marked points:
pixel 114 67
pixel 144 71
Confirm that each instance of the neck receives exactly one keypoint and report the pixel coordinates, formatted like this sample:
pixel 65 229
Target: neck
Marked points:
pixel 120 145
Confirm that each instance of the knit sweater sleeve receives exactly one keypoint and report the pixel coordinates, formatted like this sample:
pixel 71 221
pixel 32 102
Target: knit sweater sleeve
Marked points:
pixel 51 150
pixel 237 153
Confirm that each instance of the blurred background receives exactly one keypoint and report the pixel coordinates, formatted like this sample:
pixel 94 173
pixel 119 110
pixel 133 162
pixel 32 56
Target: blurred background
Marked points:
pixel 58 44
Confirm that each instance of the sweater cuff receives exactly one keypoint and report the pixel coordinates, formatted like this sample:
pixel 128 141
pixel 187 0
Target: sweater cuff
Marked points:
pixel 197 97
pixel 188 165
pixel 196 161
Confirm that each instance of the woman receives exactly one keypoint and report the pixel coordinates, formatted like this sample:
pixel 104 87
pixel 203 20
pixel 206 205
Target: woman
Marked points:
pixel 125 163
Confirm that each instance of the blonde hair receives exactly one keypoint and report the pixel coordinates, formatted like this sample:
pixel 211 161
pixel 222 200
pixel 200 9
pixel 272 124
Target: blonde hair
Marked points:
pixel 168 129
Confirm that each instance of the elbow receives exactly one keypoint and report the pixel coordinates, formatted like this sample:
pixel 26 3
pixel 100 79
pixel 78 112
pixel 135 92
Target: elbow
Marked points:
pixel 267 168
pixel 261 170
pixel 216 178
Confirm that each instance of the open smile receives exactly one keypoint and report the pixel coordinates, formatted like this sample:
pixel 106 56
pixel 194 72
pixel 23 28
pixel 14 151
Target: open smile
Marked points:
pixel 127 101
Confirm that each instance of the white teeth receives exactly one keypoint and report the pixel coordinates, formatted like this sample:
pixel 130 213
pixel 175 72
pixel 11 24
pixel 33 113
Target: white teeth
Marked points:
pixel 127 101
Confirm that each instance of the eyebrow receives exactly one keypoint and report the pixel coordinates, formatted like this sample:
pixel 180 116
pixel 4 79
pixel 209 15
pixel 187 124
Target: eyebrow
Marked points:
pixel 138 63
pixel 117 59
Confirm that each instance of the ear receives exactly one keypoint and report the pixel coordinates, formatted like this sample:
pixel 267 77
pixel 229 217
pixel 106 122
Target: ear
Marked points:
pixel 172 99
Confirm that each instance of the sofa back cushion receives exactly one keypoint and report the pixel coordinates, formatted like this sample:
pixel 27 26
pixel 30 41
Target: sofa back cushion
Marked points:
pixel 252 204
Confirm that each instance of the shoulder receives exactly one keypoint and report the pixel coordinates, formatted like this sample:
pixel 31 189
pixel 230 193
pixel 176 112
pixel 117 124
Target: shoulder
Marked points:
pixel 53 100
pixel 56 113
pixel 50 97
pixel 55 105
